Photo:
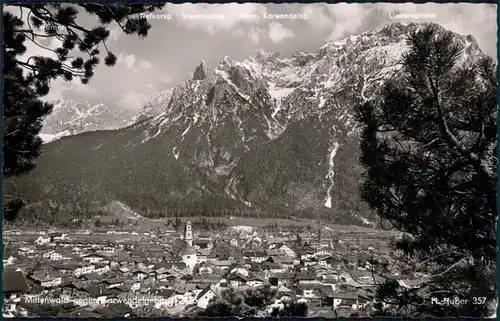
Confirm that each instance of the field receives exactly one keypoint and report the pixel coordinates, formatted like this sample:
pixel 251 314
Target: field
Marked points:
pixel 135 222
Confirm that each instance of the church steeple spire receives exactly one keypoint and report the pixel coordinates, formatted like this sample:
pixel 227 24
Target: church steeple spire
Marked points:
pixel 188 234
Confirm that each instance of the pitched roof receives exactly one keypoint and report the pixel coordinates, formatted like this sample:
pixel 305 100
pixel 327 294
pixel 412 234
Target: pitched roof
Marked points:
pixel 255 253
pixel 184 287
pixel 283 275
pixel 205 278
pixel 326 289
pixel 14 282
pixel 305 276
pixel 236 276
pixel 204 252
pixel 101 255
pixel 205 290
pixel 91 276
pixel 165 293
pixel 221 262
pixel 93 290
pixel 284 289
pixel 345 296
pixel 181 247
pixel 257 278
pixel 309 286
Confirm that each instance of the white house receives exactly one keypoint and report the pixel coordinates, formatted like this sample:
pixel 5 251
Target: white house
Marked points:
pixel 52 255
pixel 55 256
pixel 288 251
pixel 9 261
pixel 308 293
pixel 190 297
pixel 233 242
pixel 124 269
pixel 140 275
pixel 236 280
pixel 135 287
pixel 256 282
pixel 86 269
pixel 205 296
pixel 108 249
pixel 239 270
pixel 46 255
pixel 50 281
pixel 93 258
pixel 345 299
pixel 24 251
pixel 102 270
pixel 321 253
pixel 76 250
pixel 257 256
pixel 15 287
pixel 42 240
pixel 59 236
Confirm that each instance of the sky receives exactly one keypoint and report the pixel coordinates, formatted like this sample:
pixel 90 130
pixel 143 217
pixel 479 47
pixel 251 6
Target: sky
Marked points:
pixel 178 41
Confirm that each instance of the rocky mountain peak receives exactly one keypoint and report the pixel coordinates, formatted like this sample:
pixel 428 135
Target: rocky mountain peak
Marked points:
pixel 271 133
pixel 70 117
pixel 225 62
pixel 471 39
pixel 394 30
pixel 200 71
pixel 156 105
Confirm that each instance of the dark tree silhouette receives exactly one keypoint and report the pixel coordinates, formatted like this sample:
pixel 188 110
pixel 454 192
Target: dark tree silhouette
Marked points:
pixel 429 149
pixel 291 309
pixel 27 80
pixel 251 303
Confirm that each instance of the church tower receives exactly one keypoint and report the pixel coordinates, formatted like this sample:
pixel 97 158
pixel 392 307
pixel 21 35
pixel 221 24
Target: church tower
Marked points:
pixel 188 234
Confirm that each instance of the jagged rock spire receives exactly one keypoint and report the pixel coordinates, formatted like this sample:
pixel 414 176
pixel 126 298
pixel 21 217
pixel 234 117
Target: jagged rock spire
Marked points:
pixel 200 72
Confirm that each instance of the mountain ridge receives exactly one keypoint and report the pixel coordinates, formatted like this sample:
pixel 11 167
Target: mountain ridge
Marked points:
pixel 268 136
pixel 70 117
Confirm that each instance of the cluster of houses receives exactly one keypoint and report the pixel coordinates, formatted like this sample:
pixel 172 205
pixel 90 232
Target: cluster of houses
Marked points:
pixel 85 277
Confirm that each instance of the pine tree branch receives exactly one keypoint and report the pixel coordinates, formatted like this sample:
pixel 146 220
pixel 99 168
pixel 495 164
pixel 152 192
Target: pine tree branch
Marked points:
pixel 452 139
pixel 11 133
pixel 435 257
pixel 32 39
pixel 17 150
pixel 31 32
pixel 461 261
pixel 27 65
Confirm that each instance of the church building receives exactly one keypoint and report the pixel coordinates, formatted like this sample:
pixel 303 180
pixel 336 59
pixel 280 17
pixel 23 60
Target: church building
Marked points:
pixel 184 247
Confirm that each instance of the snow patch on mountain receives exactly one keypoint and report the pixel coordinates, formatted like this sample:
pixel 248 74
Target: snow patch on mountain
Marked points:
pixel 226 77
pixel 186 131
pixel 132 215
pixel 71 117
pixel 175 152
pixel 278 92
pixel 247 204
pixel 331 174
pixel 365 221
pixel 156 105
pixel 240 123
pixel 47 138
pixel 231 189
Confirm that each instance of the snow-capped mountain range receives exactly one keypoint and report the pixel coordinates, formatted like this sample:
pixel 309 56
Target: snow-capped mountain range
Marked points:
pixel 156 104
pixel 71 117
pixel 268 135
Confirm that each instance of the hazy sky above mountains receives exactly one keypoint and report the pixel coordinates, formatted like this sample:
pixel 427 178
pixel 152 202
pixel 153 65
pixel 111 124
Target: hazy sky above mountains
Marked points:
pixel 174 47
